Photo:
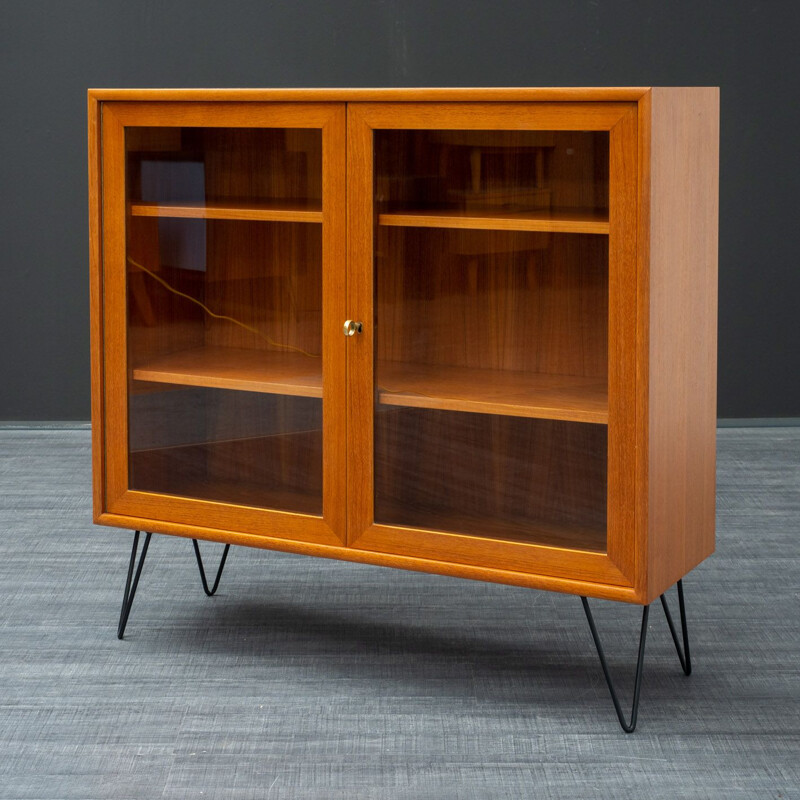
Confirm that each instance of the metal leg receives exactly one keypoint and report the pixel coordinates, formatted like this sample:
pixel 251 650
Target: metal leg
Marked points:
pixel 628 727
pixel 132 581
pixel 210 592
pixel 684 655
pixel 130 588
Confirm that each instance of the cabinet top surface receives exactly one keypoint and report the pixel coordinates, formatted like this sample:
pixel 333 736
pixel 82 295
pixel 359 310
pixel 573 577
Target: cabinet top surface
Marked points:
pixel 618 94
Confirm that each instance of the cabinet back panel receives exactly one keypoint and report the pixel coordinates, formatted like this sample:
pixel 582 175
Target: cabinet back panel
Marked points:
pixel 267 276
pixel 532 302
pixel 161 317
pixel 539 481
pixel 238 447
pixel 260 283
pixel 213 164
pixel 471 170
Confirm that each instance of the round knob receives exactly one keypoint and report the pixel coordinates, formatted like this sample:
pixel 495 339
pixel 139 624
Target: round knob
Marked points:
pixel 352 327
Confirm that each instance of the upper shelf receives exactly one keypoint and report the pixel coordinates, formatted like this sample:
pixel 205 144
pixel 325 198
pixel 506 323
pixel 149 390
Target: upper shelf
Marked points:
pixel 493 391
pixel 551 221
pixel 272 211
pixel 233 368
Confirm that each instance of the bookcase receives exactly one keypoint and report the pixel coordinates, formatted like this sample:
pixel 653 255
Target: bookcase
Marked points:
pixel 464 331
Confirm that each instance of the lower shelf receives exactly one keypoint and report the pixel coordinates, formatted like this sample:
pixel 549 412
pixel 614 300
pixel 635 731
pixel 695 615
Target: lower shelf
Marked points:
pixel 493 391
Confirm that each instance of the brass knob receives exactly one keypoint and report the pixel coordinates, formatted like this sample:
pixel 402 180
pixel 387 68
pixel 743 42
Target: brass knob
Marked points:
pixel 352 327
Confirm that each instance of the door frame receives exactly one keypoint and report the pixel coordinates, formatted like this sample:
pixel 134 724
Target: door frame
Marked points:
pixel 112 495
pixel 618 565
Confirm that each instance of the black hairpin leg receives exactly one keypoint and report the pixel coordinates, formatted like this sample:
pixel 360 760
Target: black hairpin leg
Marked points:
pixel 132 582
pixel 684 655
pixel 628 727
pixel 210 592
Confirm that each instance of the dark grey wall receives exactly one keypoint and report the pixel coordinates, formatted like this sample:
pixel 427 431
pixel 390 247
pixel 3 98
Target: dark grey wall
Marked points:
pixel 50 52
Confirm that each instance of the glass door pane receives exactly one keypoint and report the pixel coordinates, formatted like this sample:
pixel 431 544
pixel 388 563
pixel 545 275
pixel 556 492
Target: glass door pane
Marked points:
pixel 491 334
pixel 224 312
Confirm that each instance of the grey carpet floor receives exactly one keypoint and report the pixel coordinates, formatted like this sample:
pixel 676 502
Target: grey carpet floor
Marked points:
pixel 309 678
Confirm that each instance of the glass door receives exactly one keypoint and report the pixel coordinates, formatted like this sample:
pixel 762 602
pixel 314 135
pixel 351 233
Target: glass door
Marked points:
pixel 494 428
pixel 222 373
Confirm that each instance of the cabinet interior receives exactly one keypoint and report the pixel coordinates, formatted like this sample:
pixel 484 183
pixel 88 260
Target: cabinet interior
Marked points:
pixel 490 314
pixel 491 319
pixel 224 283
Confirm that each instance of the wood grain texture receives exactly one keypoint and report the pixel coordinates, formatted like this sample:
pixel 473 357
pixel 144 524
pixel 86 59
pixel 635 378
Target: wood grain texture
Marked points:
pixel 279 537
pixel 408 319
pixel 268 276
pixel 492 299
pixel 683 212
pixel 360 299
pixel 237 368
pixel 206 443
pixel 451 550
pixel 96 304
pixel 182 324
pixel 540 532
pixel 208 113
pixel 335 473
pixel 487 391
pixel 511 175
pixel 543 116
pixel 160 320
pixel 275 211
pixel 650 332
pixel 556 221
pixel 279 471
pixel 641 507
pixel 492 477
pixel 623 537
pixel 487 317
pixel 503 300
pixel 437 94
pixel 115 338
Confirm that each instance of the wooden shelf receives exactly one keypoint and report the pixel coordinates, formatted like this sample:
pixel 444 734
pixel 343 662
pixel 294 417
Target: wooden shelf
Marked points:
pixel 277 211
pixel 488 391
pixel 557 221
pixel 232 368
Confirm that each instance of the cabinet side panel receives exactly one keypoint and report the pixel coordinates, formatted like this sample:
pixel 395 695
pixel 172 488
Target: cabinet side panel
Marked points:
pixel 684 192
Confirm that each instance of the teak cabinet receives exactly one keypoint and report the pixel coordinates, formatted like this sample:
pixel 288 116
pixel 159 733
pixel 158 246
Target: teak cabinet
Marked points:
pixel 467 331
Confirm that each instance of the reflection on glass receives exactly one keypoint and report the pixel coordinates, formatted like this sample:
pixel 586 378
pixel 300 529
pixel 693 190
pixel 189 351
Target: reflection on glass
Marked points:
pixel 224 315
pixel 491 319
pixel 474 172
